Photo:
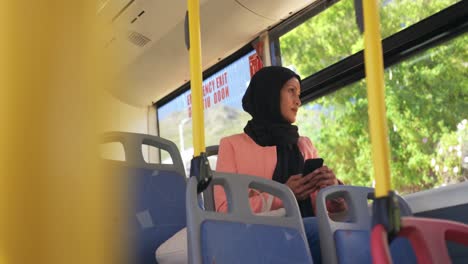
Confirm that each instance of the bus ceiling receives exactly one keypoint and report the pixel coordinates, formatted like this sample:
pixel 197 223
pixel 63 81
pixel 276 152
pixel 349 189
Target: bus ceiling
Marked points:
pixel 150 35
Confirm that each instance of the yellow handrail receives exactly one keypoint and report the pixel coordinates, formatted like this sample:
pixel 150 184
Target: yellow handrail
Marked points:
pixel 196 77
pixel 376 97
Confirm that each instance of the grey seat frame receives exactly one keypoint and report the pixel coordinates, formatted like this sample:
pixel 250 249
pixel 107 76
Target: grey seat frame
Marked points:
pixel 358 215
pixel 132 146
pixel 236 188
pixel 134 156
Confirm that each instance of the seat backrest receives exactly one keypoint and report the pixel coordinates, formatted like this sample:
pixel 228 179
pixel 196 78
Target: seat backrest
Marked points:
pixel 155 193
pixel 239 236
pixel 348 240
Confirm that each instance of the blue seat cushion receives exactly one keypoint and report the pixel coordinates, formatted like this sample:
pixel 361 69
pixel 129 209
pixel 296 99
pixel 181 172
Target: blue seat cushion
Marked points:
pixel 353 246
pixel 229 242
pixel 158 210
pixel 402 251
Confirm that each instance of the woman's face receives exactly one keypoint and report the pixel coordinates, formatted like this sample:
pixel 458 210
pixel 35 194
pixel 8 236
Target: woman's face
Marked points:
pixel 289 99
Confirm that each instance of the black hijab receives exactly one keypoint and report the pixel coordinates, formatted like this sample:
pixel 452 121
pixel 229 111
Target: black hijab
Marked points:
pixel 269 128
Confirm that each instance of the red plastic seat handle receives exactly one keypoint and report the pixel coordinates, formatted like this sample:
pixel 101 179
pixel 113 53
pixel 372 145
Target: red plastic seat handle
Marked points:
pixel 427 236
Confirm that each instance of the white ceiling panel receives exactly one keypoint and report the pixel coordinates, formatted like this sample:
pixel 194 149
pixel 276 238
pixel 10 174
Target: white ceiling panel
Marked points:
pixel 155 60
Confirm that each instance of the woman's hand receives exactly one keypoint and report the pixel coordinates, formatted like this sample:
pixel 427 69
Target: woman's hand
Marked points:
pixel 322 177
pixel 301 186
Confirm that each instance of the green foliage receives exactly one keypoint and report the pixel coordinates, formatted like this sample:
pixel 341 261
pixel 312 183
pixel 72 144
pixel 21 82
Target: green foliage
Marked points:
pixel 449 155
pixel 426 97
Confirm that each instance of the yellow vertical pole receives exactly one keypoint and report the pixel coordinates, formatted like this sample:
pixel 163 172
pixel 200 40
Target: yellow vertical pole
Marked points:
pixel 376 97
pixel 196 78
pixel 54 200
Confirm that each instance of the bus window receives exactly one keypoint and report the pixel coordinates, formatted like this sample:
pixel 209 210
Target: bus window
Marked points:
pixel 426 99
pixel 333 35
pixel 223 93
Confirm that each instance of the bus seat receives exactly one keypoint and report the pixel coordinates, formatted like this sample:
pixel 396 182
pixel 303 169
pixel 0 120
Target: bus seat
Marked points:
pixel 239 236
pixel 208 194
pixel 448 202
pixel 428 237
pixel 347 240
pixel 155 193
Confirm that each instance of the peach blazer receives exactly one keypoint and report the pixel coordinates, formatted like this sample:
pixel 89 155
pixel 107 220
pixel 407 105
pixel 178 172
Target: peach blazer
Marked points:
pixel 240 154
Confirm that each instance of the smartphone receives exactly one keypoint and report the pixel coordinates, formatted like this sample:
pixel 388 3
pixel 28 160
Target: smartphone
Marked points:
pixel 312 164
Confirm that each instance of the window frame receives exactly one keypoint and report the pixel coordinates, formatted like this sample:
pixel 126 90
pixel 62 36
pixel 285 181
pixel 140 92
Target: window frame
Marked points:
pixel 429 32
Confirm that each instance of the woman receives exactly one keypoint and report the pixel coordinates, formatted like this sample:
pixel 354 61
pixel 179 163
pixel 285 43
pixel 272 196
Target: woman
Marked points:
pixel 271 148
